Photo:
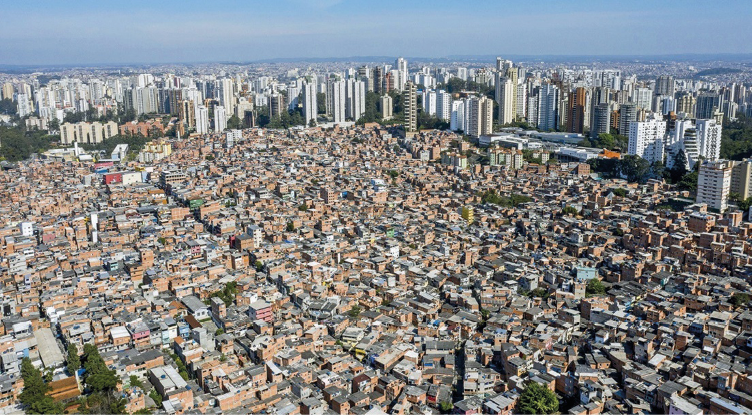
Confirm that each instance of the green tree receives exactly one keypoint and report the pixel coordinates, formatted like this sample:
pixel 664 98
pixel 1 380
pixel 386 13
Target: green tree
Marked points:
pixel 569 211
pixel 34 386
pixel 8 107
pixel 740 299
pixel 595 287
pixel 156 397
pixel 98 376
pixel 290 227
pixel 446 407
pixel 73 363
pixel 354 311
pixel 620 192
pixel 537 399
pixel 234 122
pixel 135 381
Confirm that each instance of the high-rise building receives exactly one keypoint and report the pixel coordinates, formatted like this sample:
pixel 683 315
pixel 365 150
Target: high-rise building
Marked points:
pixel 665 85
pixel 385 105
pixel 707 104
pixel 444 105
pixel 226 95
pixel 547 112
pixel 503 64
pixel 220 119
pixel 457 116
pixel 505 99
pixel 600 124
pixel 378 79
pixel 742 176
pixel 521 104
pixel 577 110
pixel 401 65
pixel 481 115
pixel 187 113
pixel 429 101
pixel 686 103
pixel 628 114
pixel 355 99
pixel 714 179
pixel 410 109
pixel 23 105
pixel 202 120
pixel 276 106
pixel 646 139
pixel 309 103
pixel 463 73
pixel 709 134
pixel 8 91
pixel 642 98
pixel 336 100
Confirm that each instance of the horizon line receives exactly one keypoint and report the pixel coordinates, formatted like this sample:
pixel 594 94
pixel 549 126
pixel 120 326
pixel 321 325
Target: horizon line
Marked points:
pixel 375 58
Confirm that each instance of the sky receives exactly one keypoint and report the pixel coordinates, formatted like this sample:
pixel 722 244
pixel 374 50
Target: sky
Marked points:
pixel 78 32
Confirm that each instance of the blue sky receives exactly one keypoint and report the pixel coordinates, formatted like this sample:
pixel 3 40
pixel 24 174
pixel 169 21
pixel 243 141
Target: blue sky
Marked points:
pixel 104 31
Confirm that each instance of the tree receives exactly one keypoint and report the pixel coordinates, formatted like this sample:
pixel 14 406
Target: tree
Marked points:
pixel 234 122
pixel 446 407
pixel 135 381
pixel 290 227
pixel 620 192
pixel 8 107
pixel 259 266
pixel 73 363
pixel 303 207
pixel 98 376
pixel 354 311
pixel 740 299
pixel 537 399
pixel 595 287
pixel 679 166
pixel 34 386
pixel 156 397
pixel 569 211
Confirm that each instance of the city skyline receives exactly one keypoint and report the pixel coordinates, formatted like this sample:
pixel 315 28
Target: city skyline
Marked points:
pixel 55 34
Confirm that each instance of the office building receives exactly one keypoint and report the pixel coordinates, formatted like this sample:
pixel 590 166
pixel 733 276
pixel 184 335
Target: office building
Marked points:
pixel 714 179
